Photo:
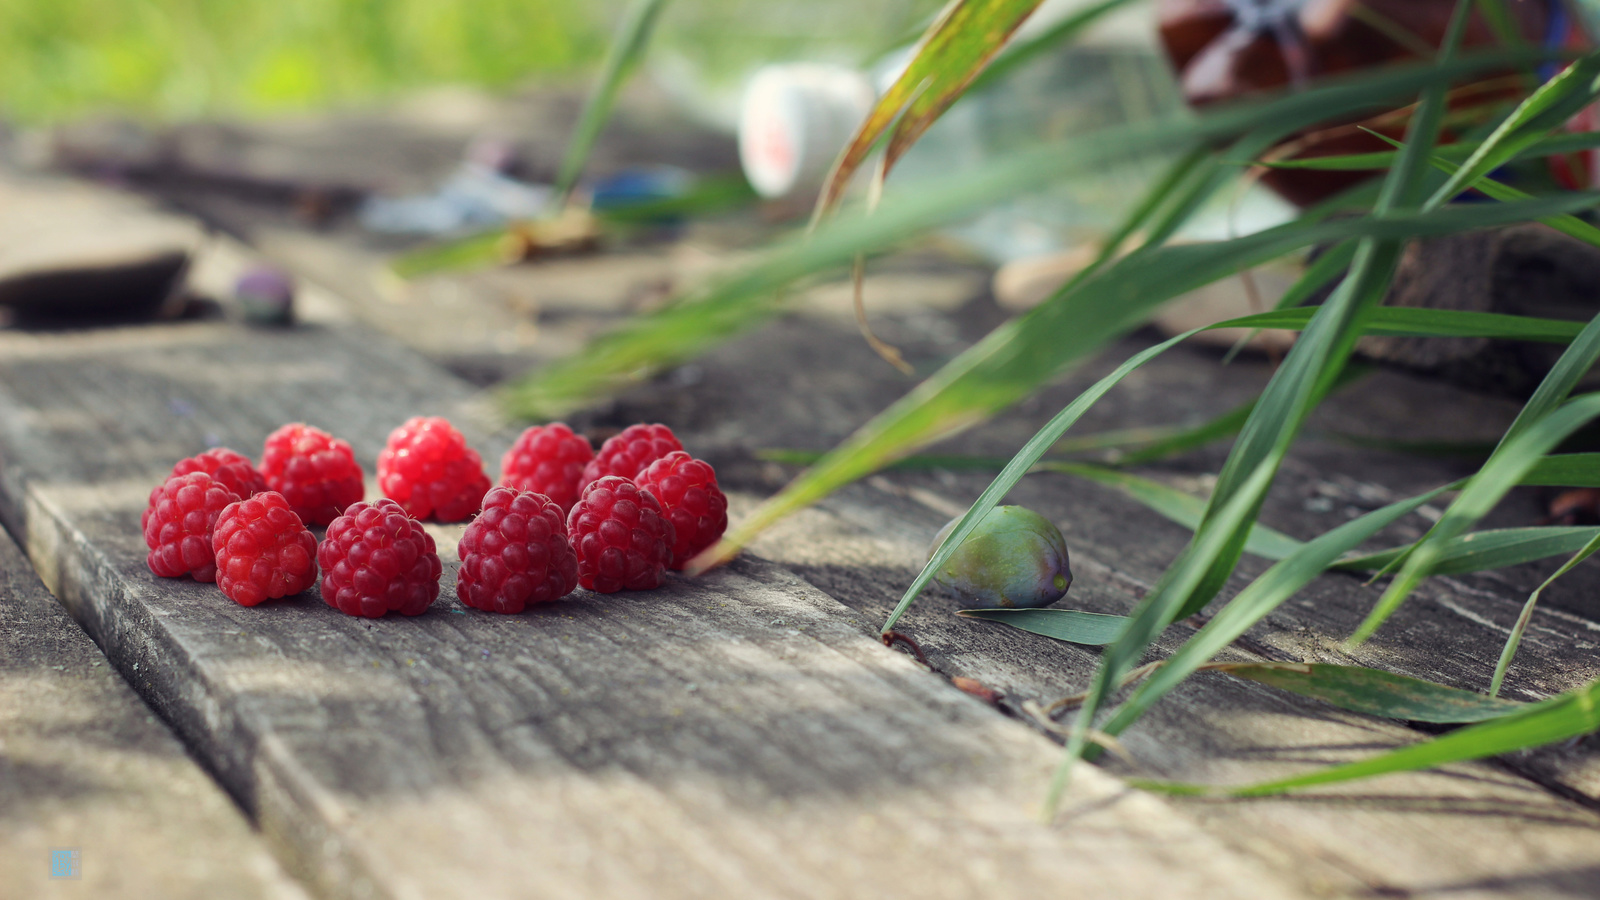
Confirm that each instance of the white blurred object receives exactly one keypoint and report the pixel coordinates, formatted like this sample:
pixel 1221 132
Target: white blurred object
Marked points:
pixel 794 120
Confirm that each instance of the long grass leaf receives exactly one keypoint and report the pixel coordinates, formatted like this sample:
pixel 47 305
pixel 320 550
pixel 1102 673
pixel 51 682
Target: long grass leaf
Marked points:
pixel 1565 470
pixel 956 48
pixel 1514 640
pixel 698 321
pixel 1070 625
pixel 622 57
pixel 1485 550
pixel 1566 716
pixel 1175 505
pixel 1259 599
pixel 1374 691
pixel 1546 109
pixel 1502 472
pixel 1307 374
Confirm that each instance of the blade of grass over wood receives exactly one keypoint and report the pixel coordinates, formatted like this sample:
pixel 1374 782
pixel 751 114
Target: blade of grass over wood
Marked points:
pixel 1070 625
pixel 622 57
pixel 1569 225
pixel 1025 352
pixel 1175 505
pixel 1308 372
pixel 697 321
pixel 1514 640
pixel 1565 470
pixel 1552 145
pixel 1503 471
pixel 1548 108
pixel 1374 691
pixel 1317 358
pixel 1019 465
pixel 1151 617
pixel 1565 716
pixel 1259 599
pixel 956 48
pixel 1485 550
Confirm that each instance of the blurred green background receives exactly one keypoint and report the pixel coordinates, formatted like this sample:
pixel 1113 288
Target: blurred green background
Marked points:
pixel 183 58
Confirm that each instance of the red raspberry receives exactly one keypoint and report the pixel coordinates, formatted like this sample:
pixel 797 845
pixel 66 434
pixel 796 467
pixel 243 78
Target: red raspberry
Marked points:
pixel 515 554
pixel 232 470
pixel 690 498
pixel 547 461
pixel 622 539
pixel 263 550
pixel 429 469
pixel 313 470
pixel 178 523
pixel 377 559
pixel 629 452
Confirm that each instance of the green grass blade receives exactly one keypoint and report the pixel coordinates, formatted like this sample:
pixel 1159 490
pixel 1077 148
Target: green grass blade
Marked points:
pixel 695 322
pixel 622 57
pixel 956 48
pixel 1258 600
pixel 1016 468
pixel 1375 692
pixel 1070 625
pixel 1307 374
pixel 1514 640
pixel 1503 471
pixel 1566 716
pixel 1548 108
pixel 1565 470
pixel 1485 550
pixel 1175 505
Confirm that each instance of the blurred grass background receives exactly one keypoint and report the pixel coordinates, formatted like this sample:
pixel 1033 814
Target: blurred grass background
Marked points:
pixel 175 59
pixel 180 58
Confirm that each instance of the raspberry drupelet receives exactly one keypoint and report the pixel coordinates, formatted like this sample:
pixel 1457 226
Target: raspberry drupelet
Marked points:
pixel 515 554
pixel 429 470
pixel 315 471
pixel 622 540
pixel 232 470
pixel 263 550
pixel 690 499
pixel 629 452
pixel 548 460
pixel 376 559
pixel 179 522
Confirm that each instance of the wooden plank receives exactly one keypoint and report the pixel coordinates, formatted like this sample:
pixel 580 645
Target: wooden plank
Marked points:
pixel 1402 834
pixel 85 765
pixel 740 735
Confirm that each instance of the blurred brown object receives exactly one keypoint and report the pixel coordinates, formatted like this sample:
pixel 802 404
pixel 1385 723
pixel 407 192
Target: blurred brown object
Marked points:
pixel 1227 49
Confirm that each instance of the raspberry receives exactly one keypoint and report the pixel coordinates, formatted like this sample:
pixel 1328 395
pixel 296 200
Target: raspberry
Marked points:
pixel 516 554
pixel 547 461
pixel 263 550
pixel 429 469
pixel 690 499
pixel 377 559
pixel 629 452
pixel 232 470
pixel 313 470
pixel 178 523
pixel 622 539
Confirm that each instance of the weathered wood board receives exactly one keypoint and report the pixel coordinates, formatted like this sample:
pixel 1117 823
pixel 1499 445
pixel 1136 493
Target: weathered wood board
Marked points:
pixel 86 766
pixel 805 381
pixel 742 735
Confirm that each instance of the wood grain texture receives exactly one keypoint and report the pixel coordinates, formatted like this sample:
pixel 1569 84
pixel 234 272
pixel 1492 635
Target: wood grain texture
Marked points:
pixel 742 735
pixel 85 764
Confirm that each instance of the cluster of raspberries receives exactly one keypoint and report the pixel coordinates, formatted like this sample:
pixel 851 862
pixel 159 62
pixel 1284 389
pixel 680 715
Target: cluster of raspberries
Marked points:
pixel 563 516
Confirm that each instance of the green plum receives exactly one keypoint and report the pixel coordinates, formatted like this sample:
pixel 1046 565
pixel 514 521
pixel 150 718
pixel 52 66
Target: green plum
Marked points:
pixel 1014 559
